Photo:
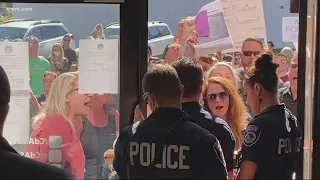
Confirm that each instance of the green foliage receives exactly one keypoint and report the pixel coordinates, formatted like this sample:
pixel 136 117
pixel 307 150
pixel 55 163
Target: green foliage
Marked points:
pixel 3 4
pixel 8 15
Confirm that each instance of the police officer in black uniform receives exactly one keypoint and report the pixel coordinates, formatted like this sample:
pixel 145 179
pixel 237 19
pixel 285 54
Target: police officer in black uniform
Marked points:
pixel 273 139
pixel 191 76
pixel 167 145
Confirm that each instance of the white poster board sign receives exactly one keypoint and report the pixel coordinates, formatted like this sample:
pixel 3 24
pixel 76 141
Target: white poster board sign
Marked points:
pixel 99 66
pixel 290 29
pixel 244 18
pixel 14 58
pixel 212 30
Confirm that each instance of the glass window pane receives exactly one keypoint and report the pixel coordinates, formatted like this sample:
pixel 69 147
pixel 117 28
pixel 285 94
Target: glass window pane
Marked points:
pixel 87 133
pixel 153 32
pixel 164 31
pixel 47 32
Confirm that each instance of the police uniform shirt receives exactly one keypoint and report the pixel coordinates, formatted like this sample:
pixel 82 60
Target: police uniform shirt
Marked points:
pixel 273 141
pixel 216 126
pixel 188 152
pixel 287 98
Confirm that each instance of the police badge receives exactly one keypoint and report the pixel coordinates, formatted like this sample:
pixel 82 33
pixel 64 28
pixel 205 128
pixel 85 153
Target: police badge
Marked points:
pixel 252 135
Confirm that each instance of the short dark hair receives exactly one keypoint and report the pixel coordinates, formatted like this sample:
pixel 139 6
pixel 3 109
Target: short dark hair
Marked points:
pixel 271 43
pixel 252 39
pixel 263 71
pixel 162 81
pixel 190 73
pixel 5 94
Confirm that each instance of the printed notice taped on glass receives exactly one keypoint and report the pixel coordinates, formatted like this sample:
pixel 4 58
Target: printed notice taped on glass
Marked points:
pixel 213 33
pixel 14 58
pixel 99 66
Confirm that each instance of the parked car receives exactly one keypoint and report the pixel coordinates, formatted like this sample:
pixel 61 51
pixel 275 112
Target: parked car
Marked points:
pixel 159 35
pixel 49 32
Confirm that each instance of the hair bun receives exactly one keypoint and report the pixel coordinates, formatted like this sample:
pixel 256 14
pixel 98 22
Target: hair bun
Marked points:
pixel 264 63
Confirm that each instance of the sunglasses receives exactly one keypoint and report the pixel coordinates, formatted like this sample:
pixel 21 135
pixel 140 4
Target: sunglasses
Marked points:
pixel 293 66
pixel 145 97
pixel 249 53
pixel 213 97
pixel 282 62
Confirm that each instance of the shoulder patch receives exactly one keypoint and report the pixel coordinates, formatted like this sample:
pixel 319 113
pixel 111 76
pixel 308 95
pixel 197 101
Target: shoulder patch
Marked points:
pixel 252 135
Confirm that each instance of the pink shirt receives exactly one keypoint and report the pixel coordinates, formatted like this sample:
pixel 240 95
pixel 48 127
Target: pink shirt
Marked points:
pixel 72 152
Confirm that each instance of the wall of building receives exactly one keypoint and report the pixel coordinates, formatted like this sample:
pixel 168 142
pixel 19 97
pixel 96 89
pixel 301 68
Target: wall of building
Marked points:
pixel 81 19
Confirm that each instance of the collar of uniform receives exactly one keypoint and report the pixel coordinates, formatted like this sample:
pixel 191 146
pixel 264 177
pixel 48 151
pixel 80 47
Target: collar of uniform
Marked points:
pixel 279 107
pixel 5 146
pixel 189 107
pixel 167 113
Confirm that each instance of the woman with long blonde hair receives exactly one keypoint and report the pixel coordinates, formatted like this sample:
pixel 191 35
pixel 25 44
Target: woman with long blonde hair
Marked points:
pixel 98 32
pixel 222 99
pixel 54 126
pixel 58 63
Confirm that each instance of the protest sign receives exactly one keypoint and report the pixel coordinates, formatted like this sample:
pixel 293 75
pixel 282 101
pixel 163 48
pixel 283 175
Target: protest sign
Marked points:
pixel 213 34
pixel 244 18
pixel 290 29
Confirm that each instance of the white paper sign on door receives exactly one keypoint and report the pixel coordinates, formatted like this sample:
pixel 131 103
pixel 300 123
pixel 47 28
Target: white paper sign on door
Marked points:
pixel 99 66
pixel 244 18
pixel 14 58
pixel 290 29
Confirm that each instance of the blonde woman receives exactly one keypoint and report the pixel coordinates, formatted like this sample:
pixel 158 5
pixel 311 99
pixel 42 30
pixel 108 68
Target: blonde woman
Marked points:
pixel 55 125
pixel 222 99
pixel 58 63
pixel 225 70
pixel 98 32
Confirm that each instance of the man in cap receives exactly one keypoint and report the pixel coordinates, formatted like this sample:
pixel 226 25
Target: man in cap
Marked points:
pixel 69 53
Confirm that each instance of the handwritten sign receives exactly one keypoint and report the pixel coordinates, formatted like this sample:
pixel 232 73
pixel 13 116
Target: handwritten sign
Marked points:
pixel 244 18
pixel 290 29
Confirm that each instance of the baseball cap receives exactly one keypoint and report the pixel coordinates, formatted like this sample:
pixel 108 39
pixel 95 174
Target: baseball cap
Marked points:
pixel 67 36
pixel 5 87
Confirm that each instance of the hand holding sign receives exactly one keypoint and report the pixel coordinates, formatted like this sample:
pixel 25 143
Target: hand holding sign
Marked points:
pixel 202 24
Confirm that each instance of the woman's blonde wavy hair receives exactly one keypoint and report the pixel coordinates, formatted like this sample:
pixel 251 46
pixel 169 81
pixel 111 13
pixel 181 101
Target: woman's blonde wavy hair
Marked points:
pixel 237 116
pixel 55 102
pixel 234 74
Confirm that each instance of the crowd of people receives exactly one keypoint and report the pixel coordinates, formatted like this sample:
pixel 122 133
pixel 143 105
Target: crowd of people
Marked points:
pixel 217 116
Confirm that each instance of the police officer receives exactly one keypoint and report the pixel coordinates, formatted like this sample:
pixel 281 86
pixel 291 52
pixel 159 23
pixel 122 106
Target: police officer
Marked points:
pixel 273 139
pixel 191 76
pixel 167 145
